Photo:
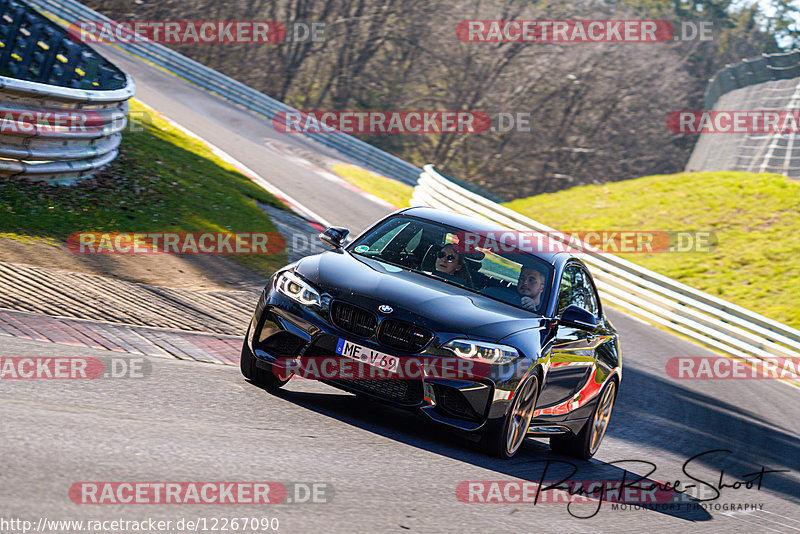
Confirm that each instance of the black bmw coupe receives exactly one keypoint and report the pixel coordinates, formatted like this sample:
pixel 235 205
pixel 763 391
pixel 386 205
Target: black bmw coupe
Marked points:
pixel 423 311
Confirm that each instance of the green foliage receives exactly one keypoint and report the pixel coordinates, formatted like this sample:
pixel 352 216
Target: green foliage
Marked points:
pixel 391 191
pixel 162 181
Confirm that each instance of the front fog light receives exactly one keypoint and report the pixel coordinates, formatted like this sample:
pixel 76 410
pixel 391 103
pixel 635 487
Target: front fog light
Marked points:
pixel 428 392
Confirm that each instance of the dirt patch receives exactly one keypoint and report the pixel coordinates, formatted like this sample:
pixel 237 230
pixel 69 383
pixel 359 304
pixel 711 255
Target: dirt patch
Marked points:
pixel 198 272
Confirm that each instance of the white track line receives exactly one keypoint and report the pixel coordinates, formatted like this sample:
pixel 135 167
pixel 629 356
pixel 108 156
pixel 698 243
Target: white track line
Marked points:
pixel 730 515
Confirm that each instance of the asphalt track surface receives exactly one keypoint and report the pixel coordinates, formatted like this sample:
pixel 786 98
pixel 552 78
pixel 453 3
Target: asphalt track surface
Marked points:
pixel 390 470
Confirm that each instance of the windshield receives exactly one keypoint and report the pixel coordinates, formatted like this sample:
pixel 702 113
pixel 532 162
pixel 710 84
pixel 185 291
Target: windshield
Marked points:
pixel 440 251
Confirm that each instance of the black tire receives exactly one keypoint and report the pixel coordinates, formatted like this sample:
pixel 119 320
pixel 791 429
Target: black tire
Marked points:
pixel 585 444
pixel 504 437
pixel 261 377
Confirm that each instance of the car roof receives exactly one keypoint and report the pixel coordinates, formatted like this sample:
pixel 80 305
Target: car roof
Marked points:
pixel 557 259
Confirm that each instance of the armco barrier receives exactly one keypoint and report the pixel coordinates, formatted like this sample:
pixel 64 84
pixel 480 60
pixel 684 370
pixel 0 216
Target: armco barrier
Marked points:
pixel 70 11
pixel 704 318
pixel 43 74
pixel 765 68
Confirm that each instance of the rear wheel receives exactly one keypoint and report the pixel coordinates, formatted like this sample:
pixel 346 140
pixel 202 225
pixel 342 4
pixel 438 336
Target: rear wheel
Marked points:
pixel 261 377
pixel 504 437
pixel 585 444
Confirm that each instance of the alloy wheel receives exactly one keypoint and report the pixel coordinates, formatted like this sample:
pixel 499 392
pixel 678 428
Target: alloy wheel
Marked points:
pixel 520 417
pixel 601 417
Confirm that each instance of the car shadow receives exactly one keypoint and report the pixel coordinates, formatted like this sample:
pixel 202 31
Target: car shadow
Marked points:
pixel 657 428
pixel 659 413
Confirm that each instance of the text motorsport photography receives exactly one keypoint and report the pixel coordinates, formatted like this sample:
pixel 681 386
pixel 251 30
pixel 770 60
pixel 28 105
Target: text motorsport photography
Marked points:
pixel 584 499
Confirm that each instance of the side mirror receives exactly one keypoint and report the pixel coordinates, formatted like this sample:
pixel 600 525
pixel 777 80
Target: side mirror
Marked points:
pixel 334 236
pixel 577 317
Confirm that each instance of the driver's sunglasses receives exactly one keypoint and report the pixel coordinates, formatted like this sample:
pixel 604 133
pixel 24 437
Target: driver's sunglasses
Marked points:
pixel 450 257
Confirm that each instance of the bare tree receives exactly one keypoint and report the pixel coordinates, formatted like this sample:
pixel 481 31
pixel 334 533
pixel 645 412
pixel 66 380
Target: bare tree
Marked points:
pixel 597 111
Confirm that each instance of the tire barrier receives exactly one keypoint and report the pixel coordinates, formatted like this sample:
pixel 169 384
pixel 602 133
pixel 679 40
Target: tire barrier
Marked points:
pixel 62 105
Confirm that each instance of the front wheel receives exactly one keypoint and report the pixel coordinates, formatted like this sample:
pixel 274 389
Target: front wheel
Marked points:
pixel 504 438
pixel 261 377
pixel 585 444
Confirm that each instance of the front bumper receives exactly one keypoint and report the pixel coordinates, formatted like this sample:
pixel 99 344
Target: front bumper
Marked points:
pixel 289 337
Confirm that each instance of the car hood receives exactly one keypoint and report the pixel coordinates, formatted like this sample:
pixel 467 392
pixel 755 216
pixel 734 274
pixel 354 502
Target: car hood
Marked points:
pixel 414 297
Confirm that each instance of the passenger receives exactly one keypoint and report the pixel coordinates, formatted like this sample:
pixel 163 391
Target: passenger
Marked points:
pixel 530 288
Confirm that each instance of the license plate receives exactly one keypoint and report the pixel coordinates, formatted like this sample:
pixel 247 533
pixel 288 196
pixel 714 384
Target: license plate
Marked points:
pixel 367 355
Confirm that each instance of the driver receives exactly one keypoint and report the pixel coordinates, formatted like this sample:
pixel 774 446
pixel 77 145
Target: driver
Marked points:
pixel 530 288
pixel 449 263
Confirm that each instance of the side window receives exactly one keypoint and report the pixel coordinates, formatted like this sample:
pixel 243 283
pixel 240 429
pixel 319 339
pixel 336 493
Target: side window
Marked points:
pixel 577 289
pixel 587 298
pixel 565 292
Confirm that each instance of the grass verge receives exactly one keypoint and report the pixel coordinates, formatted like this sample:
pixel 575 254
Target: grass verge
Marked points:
pixel 755 217
pixel 162 181
pixel 391 191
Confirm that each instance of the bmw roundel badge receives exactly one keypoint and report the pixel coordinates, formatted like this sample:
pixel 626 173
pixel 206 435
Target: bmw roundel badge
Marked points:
pixel 385 308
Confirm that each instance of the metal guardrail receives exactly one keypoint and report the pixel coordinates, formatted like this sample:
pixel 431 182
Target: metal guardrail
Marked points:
pixel 765 68
pixel 704 318
pixel 369 156
pixel 62 106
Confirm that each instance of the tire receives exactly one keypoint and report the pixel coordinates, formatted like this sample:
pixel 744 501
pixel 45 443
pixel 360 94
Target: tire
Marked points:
pixel 260 377
pixel 504 437
pixel 586 443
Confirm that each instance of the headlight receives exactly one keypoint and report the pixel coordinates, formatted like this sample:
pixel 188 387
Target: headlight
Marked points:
pixel 482 351
pixel 297 289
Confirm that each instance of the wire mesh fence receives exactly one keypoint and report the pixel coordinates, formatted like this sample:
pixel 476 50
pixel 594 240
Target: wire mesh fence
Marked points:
pixel 767 84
